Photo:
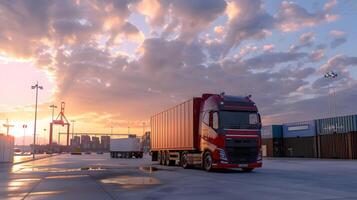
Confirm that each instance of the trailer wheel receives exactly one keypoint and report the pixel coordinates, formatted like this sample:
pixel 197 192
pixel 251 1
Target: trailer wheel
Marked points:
pixel 184 161
pixel 161 158
pixel 246 169
pixel 164 159
pixel 208 161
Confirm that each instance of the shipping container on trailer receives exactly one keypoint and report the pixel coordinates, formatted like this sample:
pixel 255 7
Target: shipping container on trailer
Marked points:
pixel 212 131
pixel 176 128
pixel 340 124
pixel 125 148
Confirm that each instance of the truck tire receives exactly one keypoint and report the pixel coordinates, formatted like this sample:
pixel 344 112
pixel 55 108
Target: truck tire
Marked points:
pixel 246 169
pixel 207 161
pixel 168 161
pixel 184 161
pixel 164 159
pixel 161 158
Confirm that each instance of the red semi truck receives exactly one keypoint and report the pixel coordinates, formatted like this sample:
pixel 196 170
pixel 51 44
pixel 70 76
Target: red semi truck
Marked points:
pixel 212 131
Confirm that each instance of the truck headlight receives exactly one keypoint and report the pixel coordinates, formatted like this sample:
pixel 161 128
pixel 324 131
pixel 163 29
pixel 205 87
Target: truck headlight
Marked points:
pixel 222 154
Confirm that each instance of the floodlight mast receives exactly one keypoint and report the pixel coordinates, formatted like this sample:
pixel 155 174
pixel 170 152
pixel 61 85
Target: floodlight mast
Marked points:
pixel 331 75
pixel 35 87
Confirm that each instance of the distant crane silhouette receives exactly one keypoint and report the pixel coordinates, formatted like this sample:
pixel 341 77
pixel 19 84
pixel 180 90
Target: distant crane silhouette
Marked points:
pixel 7 126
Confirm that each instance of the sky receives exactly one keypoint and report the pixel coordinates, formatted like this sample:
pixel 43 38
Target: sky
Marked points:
pixel 117 62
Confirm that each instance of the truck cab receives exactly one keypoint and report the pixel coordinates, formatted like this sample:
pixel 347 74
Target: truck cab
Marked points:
pixel 229 132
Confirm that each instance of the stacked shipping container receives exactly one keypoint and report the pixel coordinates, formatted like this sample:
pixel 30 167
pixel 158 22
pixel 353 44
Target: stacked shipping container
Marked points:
pixel 334 137
pixel 272 140
pixel 6 148
pixel 337 137
pixel 300 139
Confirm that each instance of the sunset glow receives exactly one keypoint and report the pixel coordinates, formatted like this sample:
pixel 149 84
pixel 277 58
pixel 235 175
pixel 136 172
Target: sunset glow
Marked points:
pixel 116 63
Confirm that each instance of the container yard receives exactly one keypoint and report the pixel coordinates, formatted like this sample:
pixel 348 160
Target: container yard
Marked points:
pixel 329 138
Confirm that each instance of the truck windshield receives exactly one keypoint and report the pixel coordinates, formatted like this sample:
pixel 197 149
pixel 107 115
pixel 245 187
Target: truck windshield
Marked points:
pixel 239 120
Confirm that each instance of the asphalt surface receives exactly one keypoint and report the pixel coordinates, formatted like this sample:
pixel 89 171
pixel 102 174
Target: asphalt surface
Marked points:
pixel 99 177
pixel 26 157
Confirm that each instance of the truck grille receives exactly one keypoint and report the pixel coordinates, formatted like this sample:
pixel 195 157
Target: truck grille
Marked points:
pixel 242 150
pixel 242 155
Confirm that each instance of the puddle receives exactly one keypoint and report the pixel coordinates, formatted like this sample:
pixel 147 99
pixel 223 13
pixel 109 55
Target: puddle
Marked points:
pixel 44 169
pixel 67 176
pixel 149 169
pixel 131 181
pixel 46 192
pixel 93 168
pixel 39 169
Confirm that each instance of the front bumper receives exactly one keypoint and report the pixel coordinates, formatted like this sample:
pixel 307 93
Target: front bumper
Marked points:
pixel 226 166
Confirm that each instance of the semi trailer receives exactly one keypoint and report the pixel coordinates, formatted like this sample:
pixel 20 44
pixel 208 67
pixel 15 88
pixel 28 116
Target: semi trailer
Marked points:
pixel 125 148
pixel 213 131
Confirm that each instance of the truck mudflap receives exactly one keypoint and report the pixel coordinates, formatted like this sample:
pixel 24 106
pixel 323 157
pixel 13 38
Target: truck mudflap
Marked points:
pixel 226 165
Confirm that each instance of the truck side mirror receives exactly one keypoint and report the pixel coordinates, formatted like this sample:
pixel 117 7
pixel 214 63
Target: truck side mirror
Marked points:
pixel 210 119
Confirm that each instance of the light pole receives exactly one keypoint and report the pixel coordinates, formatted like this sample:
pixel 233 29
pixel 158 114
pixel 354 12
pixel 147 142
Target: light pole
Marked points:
pixel 35 87
pixel 330 76
pixel 53 110
pixel 143 128
pixel 23 139
pixel 73 127
pixel 44 136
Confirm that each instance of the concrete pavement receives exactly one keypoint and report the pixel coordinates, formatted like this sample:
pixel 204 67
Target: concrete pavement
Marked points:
pixel 99 177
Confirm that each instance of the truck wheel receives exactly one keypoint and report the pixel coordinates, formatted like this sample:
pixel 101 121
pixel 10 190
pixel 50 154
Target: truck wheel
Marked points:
pixel 184 161
pixel 164 159
pixel 168 161
pixel 246 169
pixel 207 161
pixel 160 158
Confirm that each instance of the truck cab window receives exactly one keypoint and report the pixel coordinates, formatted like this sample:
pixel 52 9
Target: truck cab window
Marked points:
pixel 215 120
pixel 206 118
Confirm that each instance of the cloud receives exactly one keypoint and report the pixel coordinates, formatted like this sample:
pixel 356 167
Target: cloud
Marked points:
pixel 339 38
pixel 271 59
pixel 292 17
pixel 306 40
pixel 338 62
pixel 247 20
pixel 330 4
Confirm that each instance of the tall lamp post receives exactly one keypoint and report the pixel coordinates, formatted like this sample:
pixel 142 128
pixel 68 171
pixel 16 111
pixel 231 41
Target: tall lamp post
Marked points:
pixel 331 76
pixel 35 87
pixel 23 139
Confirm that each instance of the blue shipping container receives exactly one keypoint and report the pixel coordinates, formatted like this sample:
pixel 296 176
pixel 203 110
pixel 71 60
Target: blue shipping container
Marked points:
pixel 299 129
pixel 341 124
pixel 272 131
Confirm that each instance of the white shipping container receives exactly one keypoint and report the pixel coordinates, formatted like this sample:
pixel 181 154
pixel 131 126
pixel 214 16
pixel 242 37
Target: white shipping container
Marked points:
pixel 7 148
pixel 2 148
pixel 125 145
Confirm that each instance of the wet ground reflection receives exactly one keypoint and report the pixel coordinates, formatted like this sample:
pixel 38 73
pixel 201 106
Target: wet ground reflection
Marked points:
pixel 131 181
